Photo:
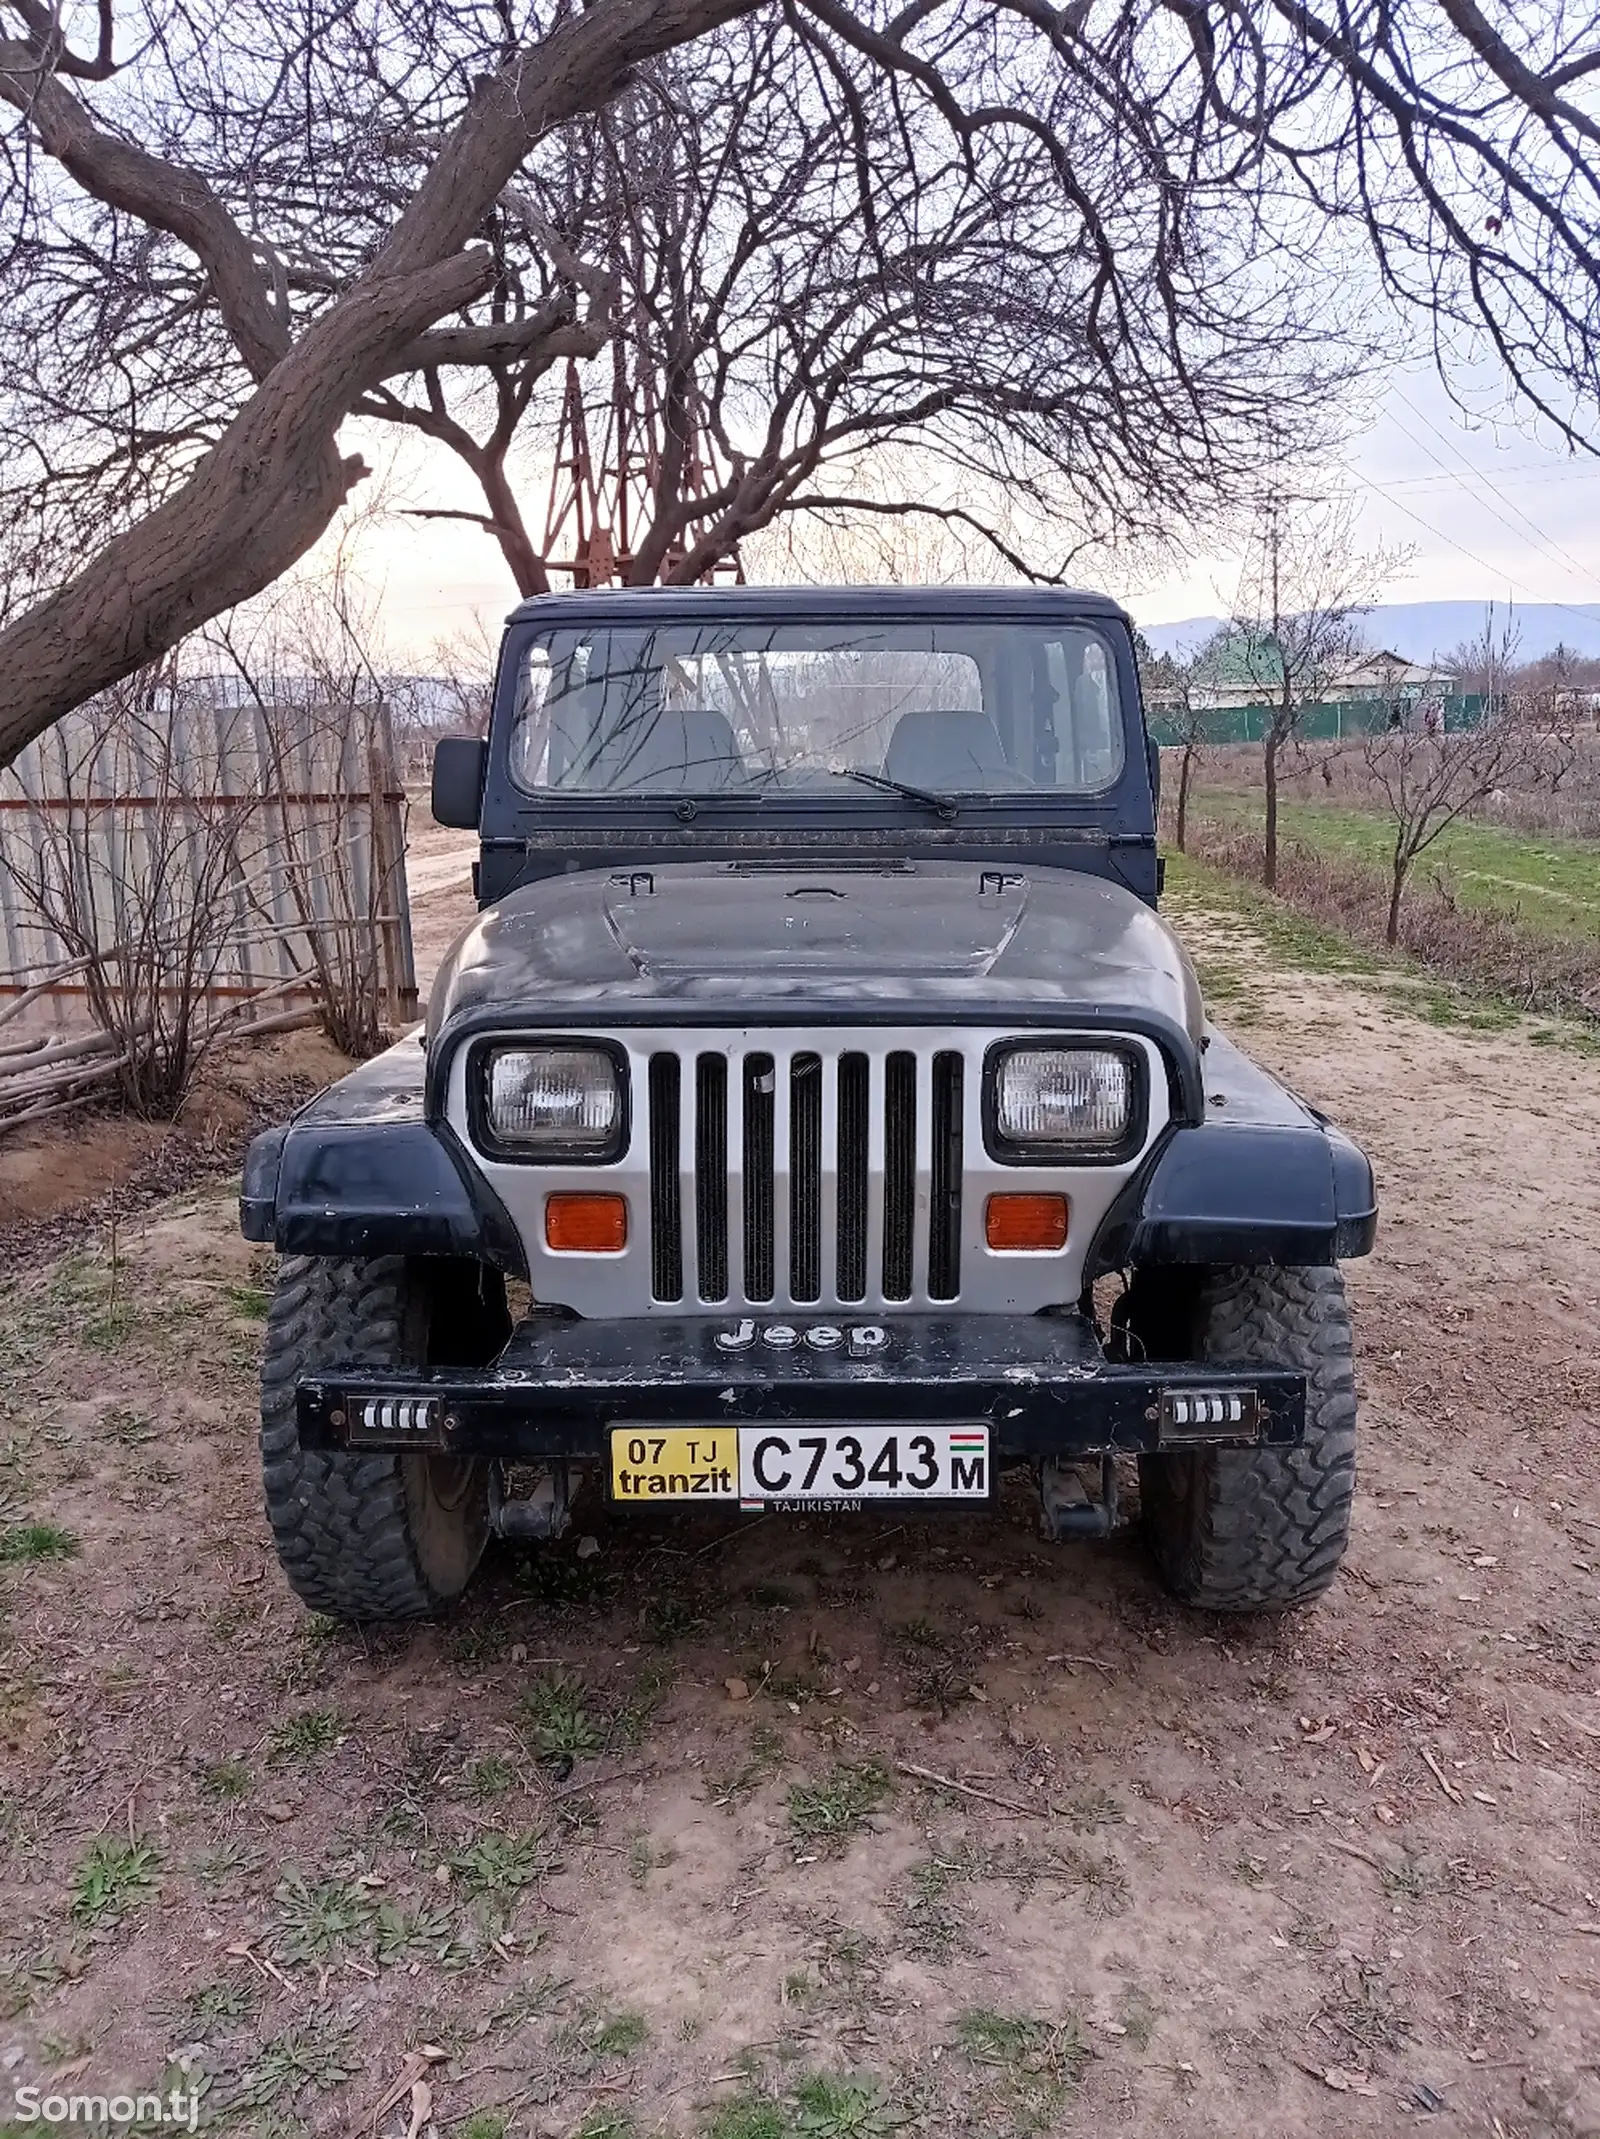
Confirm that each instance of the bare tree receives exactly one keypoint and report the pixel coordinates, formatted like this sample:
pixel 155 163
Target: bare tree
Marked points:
pixel 325 194
pixel 1428 780
pixel 330 886
pixel 135 872
pixel 799 278
pixel 1302 593
pixel 1176 685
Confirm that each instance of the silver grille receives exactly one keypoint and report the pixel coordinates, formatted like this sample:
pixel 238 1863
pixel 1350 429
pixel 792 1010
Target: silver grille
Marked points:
pixel 805 1177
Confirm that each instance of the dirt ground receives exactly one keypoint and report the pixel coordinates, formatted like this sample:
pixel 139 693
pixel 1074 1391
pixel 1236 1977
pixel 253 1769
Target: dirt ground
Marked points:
pixel 648 1837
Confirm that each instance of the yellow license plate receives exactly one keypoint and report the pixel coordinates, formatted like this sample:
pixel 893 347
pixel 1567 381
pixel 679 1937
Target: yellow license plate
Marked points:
pixel 675 1463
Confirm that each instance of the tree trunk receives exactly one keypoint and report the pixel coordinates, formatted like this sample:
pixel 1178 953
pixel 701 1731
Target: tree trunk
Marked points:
pixel 1185 768
pixel 1397 885
pixel 256 503
pixel 1269 843
pixel 511 530
pixel 271 484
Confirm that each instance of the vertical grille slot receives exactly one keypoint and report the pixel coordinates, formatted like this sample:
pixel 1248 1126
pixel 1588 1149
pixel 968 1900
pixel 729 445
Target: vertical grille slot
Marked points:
pixel 805 1177
pixel 666 1195
pixel 944 1205
pixel 711 1175
pixel 853 1162
pixel 760 1106
pixel 899 1174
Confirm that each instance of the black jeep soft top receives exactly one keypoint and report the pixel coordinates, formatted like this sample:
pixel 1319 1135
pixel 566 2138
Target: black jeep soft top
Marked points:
pixel 817 1051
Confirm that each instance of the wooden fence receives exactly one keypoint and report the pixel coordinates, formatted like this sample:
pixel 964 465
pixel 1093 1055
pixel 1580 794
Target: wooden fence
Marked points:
pixel 230 862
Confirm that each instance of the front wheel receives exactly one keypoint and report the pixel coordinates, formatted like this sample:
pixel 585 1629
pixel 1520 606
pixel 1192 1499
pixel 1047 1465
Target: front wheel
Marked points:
pixel 1258 1529
pixel 364 1534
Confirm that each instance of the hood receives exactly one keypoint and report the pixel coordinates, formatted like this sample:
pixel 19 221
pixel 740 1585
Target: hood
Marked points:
pixel 709 937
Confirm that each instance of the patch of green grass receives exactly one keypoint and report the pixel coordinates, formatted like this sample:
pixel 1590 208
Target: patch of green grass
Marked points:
pixel 23 1978
pixel 559 1722
pixel 1407 1881
pixel 1025 2049
pixel 764 1759
pixel 251 1301
pixel 304 1736
pixel 562 1582
pixel 216 2007
pixel 36 1541
pixel 830 1811
pixel 419 1934
pixel 113 1876
pixel 843 2109
pixel 1549 888
pixel 617 2034
pixel 629 1722
pixel 319 2057
pixel 132 1428
pixel 773 1596
pixel 1437 1002
pixel 607 2124
pixel 227 1780
pixel 1294 938
pixel 501 1863
pixel 1088 1809
pixel 1550 885
pixel 1138 2018
pixel 940 1685
pixel 667 1619
pixel 749 2120
pixel 486 2124
pixel 217 1869
pixel 935 1923
pixel 490 1776
pixel 316 1919
pixel 1103 1880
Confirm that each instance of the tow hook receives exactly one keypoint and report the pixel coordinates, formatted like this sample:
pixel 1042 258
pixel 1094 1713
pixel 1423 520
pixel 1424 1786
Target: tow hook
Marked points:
pixel 1068 1508
pixel 541 1517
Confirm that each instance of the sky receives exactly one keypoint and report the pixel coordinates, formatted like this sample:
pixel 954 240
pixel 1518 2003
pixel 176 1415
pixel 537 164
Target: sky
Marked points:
pixel 1491 507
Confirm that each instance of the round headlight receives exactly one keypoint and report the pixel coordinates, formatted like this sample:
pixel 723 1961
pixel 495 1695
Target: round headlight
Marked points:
pixel 1063 1102
pixel 554 1102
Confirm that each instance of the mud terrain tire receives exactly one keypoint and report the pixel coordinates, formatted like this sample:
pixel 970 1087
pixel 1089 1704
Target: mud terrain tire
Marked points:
pixel 362 1534
pixel 1260 1530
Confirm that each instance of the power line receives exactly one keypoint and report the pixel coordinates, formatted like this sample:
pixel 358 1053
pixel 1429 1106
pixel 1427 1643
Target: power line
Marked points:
pixel 1495 572
pixel 1553 547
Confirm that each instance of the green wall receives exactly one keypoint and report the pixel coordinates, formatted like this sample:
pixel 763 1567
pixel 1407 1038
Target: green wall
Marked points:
pixel 1362 716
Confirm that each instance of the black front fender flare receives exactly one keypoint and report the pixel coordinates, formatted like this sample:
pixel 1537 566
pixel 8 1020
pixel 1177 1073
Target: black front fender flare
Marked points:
pixel 378 1188
pixel 1243 1194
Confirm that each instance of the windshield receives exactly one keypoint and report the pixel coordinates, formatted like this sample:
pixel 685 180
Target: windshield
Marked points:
pixel 770 709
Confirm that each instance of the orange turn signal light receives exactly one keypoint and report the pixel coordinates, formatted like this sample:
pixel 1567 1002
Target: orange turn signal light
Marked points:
pixel 579 1223
pixel 1036 1222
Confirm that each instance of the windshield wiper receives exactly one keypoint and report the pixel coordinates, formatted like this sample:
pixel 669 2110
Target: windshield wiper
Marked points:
pixel 942 805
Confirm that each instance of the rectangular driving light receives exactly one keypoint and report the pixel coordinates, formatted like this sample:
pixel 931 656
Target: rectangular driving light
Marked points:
pixel 557 1104
pixel 1056 1104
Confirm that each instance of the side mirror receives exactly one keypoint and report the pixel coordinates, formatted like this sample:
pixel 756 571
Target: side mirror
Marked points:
pixel 460 767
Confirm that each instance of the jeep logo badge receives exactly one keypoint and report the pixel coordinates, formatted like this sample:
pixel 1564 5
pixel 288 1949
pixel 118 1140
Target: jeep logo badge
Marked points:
pixel 863 1338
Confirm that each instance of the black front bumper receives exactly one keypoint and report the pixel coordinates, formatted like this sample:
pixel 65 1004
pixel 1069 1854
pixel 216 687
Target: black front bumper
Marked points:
pixel 1041 1382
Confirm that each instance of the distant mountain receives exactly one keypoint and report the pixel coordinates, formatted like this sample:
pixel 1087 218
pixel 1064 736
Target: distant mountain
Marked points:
pixel 1420 630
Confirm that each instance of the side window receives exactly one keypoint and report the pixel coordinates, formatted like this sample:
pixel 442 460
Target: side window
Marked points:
pixel 1085 721
pixel 530 737
pixel 1099 743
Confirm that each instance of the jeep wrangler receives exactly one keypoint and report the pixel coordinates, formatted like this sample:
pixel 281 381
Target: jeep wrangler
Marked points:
pixel 816 1052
